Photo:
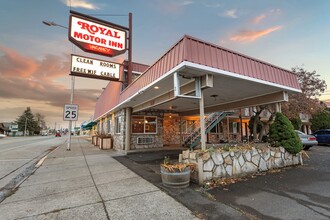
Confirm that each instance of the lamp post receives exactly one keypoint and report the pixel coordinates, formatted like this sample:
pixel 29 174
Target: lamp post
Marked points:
pixel 51 23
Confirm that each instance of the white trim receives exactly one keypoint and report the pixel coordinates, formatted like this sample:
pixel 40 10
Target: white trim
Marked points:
pixel 227 73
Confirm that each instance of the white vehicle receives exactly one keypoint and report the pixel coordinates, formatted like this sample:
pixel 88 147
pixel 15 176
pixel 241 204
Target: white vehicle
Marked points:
pixel 44 133
pixel 3 135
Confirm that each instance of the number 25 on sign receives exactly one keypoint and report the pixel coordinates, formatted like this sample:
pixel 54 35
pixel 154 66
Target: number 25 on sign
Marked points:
pixel 70 112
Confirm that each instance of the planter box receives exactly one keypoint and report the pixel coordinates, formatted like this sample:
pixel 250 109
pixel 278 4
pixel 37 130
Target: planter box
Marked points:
pixel 94 139
pixel 105 143
pixel 175 179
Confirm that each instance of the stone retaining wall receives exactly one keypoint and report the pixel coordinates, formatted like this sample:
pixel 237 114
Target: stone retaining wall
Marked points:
pixel 220 163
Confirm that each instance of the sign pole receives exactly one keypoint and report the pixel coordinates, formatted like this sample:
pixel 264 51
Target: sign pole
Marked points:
pixel 130 40
pixel 70 122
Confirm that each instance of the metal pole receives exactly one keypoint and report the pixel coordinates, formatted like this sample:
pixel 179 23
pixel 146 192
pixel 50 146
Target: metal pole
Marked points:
pixel 70 122
pixel 129 69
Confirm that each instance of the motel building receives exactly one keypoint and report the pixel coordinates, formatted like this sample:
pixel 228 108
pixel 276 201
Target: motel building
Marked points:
pixel 194 94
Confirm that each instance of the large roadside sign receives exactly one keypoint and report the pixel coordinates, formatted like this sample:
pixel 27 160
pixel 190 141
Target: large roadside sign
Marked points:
pixel 94 68
pixel 97 36
pixel 70 112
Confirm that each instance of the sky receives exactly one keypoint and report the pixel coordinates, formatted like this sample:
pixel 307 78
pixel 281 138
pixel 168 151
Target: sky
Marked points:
pixel 35 58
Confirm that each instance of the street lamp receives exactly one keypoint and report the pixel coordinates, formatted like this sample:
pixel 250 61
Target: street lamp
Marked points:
pixel 51 23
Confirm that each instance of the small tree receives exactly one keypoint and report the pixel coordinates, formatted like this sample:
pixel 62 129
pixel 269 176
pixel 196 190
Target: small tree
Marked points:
pixel 27 121
pixel 306 102
pixel 320 120
pixel 281 133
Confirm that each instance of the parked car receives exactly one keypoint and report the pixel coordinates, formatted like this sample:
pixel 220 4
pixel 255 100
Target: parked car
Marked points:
pixel 307 140
pixel 322 136
pixel 3 135
pixel 57 134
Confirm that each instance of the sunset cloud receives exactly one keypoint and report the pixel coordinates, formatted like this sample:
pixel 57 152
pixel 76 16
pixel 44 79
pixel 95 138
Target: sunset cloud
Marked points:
pixel 37 81
pixel 249 36
pixel 258 19
pixel 14 64
pixel 80 4
pixel 271 14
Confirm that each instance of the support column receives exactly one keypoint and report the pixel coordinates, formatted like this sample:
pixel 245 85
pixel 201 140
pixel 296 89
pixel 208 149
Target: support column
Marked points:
pixel 278 107
pixel 202 121
pixel 128 129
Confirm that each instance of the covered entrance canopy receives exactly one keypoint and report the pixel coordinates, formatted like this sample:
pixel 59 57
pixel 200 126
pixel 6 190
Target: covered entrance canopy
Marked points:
pixel 228 79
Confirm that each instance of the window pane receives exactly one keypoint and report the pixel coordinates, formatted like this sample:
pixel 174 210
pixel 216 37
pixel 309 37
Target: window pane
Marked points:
pixel 150 124
pixel 109 126
pixel 117 124
pixel 137 124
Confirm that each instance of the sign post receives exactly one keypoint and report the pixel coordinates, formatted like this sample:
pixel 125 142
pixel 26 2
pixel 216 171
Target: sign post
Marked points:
pixel 70 114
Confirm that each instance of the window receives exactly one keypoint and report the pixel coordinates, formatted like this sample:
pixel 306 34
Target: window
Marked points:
pixel 217 128
pixel 98 127
pixel 150 124
pixel 138 124
pixel 188 126
pixel 109 126
pixel 117 125
pixel 103 126
pixel 144 124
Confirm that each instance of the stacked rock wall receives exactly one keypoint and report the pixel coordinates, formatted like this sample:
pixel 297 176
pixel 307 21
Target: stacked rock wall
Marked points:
pixel 219 163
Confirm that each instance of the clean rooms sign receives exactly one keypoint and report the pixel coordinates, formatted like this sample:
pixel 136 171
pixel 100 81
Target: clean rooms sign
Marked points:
pixel 93 68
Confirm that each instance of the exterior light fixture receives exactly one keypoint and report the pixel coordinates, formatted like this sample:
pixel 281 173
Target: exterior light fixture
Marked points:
pixel 214 96
pixel 156 87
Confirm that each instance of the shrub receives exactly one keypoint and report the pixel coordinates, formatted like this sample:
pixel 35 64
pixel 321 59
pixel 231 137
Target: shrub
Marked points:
pixel 296 123
pixel 320 120
pixel 281 133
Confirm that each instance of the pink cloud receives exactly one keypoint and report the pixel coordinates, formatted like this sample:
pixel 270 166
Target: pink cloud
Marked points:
pixel 14 64
pixel 249 36
pixel 258 19
pixel 23 77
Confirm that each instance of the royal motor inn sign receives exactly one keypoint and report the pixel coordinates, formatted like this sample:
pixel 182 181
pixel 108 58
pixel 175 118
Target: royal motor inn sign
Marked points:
pixel 93 68
pixel 96 36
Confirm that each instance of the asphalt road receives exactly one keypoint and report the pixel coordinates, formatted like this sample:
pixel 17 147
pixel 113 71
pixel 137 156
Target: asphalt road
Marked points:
pixel 17 154
pixel 300 192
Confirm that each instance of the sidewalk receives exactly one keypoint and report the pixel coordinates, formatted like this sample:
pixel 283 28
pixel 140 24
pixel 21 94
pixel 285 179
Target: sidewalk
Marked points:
pixel 87 183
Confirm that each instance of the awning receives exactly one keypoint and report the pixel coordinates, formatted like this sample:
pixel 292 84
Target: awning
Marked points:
pixel 89 125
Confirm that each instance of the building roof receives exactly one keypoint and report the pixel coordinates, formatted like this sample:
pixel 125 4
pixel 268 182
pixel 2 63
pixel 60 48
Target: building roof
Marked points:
pixel 194 57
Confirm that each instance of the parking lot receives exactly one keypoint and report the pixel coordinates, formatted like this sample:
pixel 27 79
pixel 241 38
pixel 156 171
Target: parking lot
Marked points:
pixel 301 192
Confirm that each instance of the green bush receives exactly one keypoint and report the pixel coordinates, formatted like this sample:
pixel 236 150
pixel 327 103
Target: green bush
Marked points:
pixel 281 133
pixel 296 123
pixel 320 120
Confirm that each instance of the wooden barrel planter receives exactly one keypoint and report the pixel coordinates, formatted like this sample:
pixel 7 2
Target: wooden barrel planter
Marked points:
pixel 175 179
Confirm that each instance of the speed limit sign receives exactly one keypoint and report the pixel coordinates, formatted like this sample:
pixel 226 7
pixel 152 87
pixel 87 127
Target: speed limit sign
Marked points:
pixel 70 112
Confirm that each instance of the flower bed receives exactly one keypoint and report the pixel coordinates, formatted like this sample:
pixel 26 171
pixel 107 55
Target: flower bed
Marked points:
pixel 238 161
